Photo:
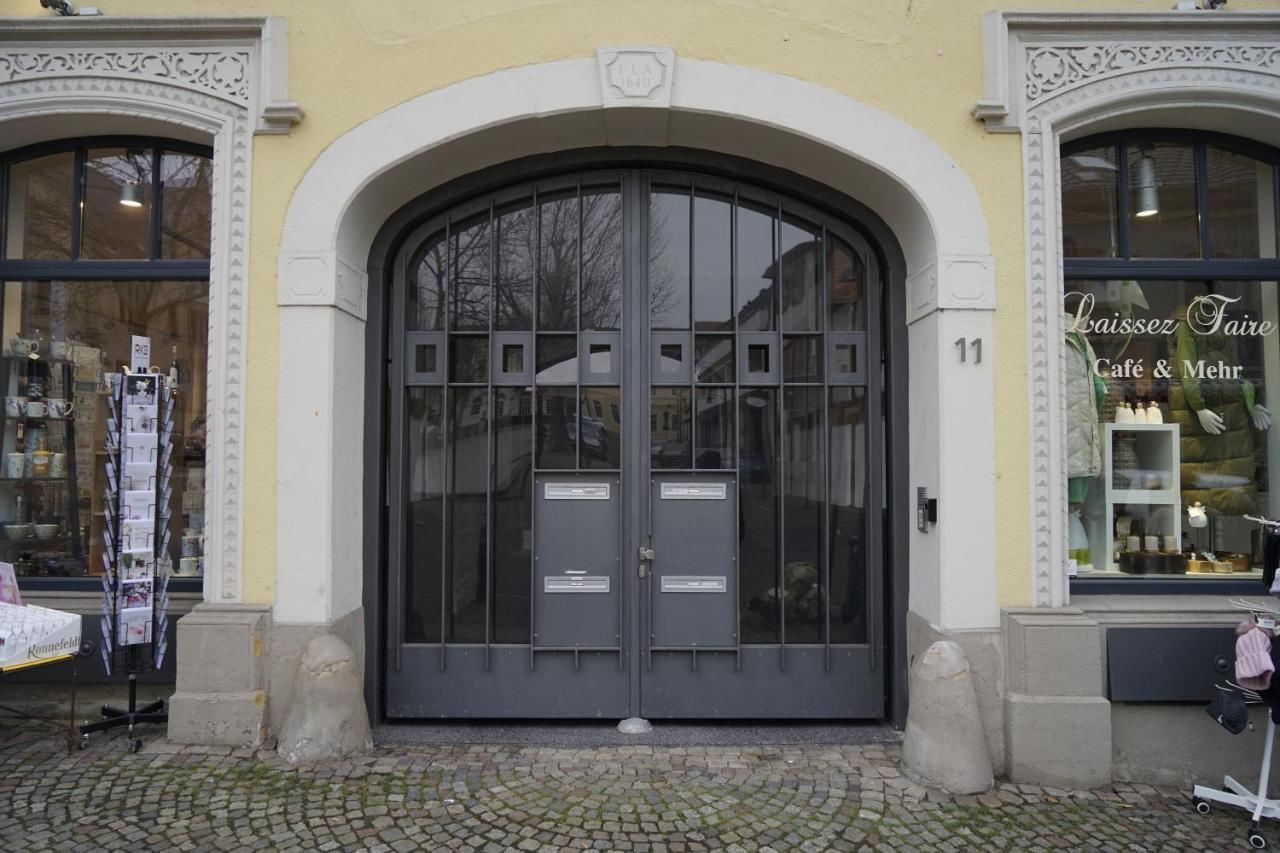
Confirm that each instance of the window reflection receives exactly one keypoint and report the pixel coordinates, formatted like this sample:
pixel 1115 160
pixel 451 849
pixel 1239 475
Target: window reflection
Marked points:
pixel 1163 219
pixel 38 213
pixel 1089 186
pixel 558 266
pixel 1241 205
pixel 116 220
pixel 512 513
pixel 758 504
pixel 669 260
pixel 186 204
pixel 712 264
pixel 423 553
pixel 756 250
pixel 601 260
pixel 52 515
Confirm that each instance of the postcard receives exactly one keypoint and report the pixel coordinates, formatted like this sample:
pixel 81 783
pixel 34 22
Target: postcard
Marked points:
pixel 137 535
pixel 137 506
pixel 135 593
pixel 139 477
pixel 134 626
pixel 140 389
pixel 140 418
pixel 139 447
pixel 136 565
pixel 9 593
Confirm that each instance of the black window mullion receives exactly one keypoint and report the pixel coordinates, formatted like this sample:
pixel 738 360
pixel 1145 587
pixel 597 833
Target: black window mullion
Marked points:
pixel 1122 200
pixel 4 209
pixel 157 193
pixel 1201 160
pixel 77 200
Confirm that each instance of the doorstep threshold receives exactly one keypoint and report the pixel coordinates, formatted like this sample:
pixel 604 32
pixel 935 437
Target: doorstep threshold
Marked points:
pixel 591 733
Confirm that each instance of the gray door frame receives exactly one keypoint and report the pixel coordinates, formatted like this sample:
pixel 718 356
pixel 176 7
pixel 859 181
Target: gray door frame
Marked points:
pixel 381 328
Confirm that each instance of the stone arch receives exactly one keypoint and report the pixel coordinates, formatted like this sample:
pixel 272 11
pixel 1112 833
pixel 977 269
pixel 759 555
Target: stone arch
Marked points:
pixel 363 177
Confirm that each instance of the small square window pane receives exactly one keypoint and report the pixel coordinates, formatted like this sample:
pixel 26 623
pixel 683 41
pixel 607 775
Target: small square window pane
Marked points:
pixel 801 361
pixel 557 359
pixel 714 361
pixel 469 359
pixel 512 358
pixel 601 358
pixel 846 358
pixel 757 358
pixel 424 358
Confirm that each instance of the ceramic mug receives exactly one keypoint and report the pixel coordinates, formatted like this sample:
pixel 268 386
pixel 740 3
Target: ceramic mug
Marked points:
pixel 24 346
pixel 35 388
pixel 36 409
pixel 14 463
pixel 46 531
pixel 189 566
pixel 58 465
pixel 15 406
pixel 60 350
pixel 59 408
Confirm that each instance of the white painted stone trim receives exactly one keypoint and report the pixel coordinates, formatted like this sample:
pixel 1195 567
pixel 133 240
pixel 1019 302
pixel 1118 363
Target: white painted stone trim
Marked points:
pixel 241 60
pixel 341 202
pixel 199 74
pixel 1051 76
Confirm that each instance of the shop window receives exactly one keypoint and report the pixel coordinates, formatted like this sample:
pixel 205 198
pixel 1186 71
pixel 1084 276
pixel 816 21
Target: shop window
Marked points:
pixel 101 240
pixel 1172 359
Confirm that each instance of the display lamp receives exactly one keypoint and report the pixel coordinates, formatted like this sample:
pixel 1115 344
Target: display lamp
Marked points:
pixel 130 194
pixel 1144 184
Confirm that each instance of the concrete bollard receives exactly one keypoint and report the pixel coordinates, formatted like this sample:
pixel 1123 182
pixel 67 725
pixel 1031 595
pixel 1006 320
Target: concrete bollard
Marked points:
pixel 944 743
pixel 327 718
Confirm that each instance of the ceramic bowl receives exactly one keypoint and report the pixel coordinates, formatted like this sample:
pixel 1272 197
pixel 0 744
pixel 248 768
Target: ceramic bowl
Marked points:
pixel 46 531
pixel 19 531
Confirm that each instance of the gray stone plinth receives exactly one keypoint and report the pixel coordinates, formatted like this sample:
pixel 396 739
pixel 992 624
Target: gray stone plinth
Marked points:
pixel 944 743
pixel 327 718
pixel 221 691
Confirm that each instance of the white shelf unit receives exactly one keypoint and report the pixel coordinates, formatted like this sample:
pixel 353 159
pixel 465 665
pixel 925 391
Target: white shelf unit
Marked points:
pixel 1159 459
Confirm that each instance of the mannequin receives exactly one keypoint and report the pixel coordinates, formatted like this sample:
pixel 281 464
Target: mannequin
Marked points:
pixel 1217 419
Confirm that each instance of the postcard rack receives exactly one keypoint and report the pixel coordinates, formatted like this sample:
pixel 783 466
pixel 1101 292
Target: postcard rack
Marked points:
pixel 136 565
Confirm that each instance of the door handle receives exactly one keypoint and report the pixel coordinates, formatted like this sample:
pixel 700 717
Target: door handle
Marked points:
pixel 646 553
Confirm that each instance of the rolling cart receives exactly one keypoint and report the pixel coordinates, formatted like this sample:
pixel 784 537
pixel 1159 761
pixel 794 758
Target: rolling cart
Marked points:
pixel 1233 793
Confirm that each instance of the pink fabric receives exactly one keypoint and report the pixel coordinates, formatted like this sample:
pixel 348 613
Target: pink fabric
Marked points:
pixel 1253 660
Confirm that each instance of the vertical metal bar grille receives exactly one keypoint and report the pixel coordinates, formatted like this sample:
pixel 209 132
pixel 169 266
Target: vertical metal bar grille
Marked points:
pixel 491 401
pixel 824 419
pixel 446 415
pixel 780 443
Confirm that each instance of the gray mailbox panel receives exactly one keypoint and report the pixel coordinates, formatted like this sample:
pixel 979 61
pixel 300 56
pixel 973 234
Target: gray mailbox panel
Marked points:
pixel 576 588
pixel 695 592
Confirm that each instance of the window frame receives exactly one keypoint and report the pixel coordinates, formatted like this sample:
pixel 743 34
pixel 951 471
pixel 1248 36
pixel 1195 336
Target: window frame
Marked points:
pixel 153 268
pixel 1205 268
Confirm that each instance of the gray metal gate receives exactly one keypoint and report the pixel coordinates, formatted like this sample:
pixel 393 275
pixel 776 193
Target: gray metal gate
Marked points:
pixel 635 456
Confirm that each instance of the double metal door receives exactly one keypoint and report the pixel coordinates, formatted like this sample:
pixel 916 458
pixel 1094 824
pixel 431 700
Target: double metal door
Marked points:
pixel 633 456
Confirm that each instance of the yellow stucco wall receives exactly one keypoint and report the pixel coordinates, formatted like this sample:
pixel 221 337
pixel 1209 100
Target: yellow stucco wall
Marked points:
pixel 918 59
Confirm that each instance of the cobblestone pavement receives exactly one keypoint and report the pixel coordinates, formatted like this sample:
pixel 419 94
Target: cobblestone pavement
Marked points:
pixel 494 798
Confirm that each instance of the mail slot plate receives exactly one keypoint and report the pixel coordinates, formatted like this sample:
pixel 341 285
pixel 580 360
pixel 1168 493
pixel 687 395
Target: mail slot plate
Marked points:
pixel 576 491
pixel 575 583
pixel 694 491
pixel 695 583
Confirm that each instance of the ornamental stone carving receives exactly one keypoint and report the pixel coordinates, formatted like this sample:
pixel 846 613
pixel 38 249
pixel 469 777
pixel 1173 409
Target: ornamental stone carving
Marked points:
pixel 224 73
pixel 636 76
pixel 1052 68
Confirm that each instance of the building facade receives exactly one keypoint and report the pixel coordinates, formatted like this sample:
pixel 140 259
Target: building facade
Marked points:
pixel 677 360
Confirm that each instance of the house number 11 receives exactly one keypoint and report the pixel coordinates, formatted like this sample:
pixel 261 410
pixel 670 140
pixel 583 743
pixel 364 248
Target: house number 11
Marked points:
pixel 974 344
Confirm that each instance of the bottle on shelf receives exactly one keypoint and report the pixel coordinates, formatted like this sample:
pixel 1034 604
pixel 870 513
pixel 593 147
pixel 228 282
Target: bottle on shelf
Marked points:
pixel 174 369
